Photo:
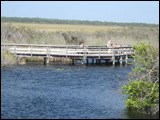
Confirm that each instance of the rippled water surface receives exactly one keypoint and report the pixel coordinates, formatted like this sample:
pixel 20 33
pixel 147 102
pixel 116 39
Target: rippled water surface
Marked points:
pixel 63 91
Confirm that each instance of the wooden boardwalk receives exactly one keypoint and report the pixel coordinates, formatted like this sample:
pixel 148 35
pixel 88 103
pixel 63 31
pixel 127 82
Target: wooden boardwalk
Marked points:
pixel 74 52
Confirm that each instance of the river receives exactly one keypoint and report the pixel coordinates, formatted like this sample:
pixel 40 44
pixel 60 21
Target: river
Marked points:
pixel 64 91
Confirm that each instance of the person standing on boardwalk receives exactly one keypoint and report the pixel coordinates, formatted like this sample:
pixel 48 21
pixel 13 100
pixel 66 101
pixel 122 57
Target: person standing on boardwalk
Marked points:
pixel 109 45
pixel 81 44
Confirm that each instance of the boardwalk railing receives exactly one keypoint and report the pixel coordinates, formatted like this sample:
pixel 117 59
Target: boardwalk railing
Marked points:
pixel 68 51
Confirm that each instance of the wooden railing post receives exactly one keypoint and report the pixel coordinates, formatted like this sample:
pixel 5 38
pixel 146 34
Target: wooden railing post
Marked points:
pixel 49 51
pixel 84 53
pixel 99 52
pixel 31 50
pixel 66 51
pixel 15 53
pixel 15 50
pixel 113 57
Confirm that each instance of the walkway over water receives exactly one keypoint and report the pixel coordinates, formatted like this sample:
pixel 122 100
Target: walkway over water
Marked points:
pixel 74 52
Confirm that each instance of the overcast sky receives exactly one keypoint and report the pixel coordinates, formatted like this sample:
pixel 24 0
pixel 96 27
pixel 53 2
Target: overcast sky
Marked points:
pixel 111 11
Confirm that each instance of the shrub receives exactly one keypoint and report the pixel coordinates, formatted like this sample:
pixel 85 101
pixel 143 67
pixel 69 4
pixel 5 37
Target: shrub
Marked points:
pixel 142 95
pixel 7 58
pixel 143 90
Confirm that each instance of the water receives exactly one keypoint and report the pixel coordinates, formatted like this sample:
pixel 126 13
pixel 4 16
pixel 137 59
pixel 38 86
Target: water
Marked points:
pixel 64 91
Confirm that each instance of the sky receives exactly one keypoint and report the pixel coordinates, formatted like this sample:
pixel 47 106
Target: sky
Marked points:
pixel 109 11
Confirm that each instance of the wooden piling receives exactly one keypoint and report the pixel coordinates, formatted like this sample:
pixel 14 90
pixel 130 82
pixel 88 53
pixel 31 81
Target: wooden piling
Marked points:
pixel 121 60
pixel 92 61
pixel 113 60
pixel 113 57
pixel 126 59
pixel 72 61
pixel 87 61
pixel 46 60
pixel 97 61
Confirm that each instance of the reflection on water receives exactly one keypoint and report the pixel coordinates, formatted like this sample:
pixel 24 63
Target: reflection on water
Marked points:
pixel 64 91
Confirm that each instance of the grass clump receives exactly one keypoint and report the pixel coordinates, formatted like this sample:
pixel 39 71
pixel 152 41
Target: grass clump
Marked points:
pixel 7 58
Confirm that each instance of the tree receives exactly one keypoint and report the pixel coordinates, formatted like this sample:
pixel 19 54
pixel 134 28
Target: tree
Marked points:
pixel 73 38
pixel 143 89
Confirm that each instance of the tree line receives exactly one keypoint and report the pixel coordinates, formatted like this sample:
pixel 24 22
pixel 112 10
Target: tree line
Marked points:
pixel 73 22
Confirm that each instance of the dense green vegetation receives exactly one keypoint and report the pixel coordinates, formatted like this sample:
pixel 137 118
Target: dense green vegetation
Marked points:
pixel 143 89
pixel 73 22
